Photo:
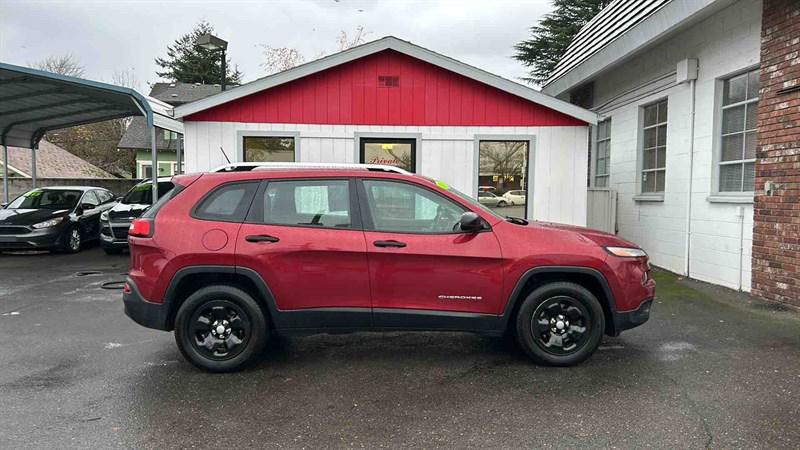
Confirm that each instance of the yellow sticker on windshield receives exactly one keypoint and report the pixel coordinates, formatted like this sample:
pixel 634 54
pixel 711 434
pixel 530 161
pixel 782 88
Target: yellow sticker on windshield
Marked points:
pixel 33 194
pixel 443 185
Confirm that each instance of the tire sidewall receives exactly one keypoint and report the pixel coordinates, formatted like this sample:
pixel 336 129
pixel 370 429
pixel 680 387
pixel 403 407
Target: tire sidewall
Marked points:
pixel 255 343
pixel 526 339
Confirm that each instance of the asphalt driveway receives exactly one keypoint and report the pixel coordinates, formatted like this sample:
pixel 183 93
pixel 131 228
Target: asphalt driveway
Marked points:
pixel 710 369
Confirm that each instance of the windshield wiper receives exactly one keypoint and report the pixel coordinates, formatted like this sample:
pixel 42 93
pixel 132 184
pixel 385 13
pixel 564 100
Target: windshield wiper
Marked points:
pixel 516 220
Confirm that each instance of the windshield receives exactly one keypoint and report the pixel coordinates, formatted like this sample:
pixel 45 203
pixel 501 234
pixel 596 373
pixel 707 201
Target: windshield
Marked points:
pixel 142 193
pixel 465 197
pixel 46 199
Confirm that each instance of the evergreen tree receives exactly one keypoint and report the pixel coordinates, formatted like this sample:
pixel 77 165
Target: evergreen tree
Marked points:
pixel 551 37
pixel 188 63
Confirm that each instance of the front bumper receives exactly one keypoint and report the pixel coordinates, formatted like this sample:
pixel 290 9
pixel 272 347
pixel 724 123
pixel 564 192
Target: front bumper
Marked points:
pixel 114 234
pixel 146 314
pixel 44 239
pixel 632 319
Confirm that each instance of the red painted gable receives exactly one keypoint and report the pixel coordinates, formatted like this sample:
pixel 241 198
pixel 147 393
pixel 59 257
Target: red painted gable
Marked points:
pixel 350 94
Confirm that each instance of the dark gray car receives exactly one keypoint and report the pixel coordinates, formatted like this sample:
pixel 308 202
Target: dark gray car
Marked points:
pixel 54 218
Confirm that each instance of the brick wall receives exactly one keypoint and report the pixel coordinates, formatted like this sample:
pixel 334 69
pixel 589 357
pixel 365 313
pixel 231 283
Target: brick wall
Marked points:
pixel 776 228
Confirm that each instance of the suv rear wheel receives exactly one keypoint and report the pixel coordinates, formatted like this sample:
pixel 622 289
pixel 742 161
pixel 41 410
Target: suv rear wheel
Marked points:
pixel 560 324
pixel 220 329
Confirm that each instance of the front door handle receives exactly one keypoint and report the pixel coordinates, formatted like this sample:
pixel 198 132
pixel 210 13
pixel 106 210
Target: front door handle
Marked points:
pixel 392 243
pixel 261 238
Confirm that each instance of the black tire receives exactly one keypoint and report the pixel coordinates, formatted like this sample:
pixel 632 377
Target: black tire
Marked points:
pixel 502 204
pixel 214 304
pixel 549 321
pixel 112 251
pixel 70 245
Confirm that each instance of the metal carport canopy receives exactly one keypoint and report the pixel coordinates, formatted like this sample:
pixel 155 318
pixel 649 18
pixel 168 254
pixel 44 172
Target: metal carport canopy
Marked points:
pixel 33 102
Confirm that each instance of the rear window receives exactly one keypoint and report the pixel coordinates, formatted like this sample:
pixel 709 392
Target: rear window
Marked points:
pixel 227 203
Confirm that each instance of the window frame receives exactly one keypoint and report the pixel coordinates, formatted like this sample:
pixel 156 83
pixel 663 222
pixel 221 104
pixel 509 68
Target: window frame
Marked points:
pixel 717 195
pixel 595 147
pixel 257 205
pixel 242 134
pixel 195 209
pixel 369 225
pixel 642 128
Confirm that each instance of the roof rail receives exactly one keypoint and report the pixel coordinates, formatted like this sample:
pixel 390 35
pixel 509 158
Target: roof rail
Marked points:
pixel 245 167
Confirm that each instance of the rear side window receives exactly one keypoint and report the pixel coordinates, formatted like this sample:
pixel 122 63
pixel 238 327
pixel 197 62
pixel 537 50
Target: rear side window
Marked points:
pixel 227 203
pixel 319 203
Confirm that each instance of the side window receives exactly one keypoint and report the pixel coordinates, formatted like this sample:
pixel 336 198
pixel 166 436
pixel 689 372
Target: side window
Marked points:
pixel 405 208
pixel 321 203
pixel 228 203
pixel 90 198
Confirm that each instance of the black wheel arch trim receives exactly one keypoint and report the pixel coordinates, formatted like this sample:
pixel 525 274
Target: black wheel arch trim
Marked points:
pixel 609 301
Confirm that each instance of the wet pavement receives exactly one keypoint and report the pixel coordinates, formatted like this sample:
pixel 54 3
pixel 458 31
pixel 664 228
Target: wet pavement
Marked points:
pixel 710 370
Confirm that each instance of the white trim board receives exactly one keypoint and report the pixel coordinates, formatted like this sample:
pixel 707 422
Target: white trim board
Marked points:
pixel 398 45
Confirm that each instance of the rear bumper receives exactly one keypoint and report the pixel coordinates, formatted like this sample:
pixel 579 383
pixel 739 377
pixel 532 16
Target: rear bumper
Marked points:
pixel 146 314
pixel 632 319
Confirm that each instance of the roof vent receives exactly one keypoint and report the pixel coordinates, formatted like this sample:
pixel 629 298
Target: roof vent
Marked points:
pixel 388 81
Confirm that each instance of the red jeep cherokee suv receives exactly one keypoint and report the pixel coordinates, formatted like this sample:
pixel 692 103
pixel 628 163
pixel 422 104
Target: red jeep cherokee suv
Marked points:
pixel 226 259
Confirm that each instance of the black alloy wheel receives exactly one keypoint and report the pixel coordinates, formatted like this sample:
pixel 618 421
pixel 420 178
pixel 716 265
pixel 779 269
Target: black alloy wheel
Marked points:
pixel 560 324
pixel 220 328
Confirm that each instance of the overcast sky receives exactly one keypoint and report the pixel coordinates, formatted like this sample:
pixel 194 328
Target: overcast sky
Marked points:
pixel 107 36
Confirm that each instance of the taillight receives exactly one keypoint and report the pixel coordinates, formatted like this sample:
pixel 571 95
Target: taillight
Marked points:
pixel 141 228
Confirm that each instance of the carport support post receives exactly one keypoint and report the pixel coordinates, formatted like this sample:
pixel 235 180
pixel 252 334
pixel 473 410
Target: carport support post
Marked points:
pixel 34 149
pixel 5 173
pixel 154 163
pixel 179 155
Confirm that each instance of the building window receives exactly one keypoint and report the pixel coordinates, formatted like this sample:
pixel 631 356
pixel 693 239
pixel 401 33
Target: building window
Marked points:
pixel 268 149
pixel 602 154
pixel 400 153
pixel 654 147
pixel 147 171
pixel 502 171
pixel 170 135
pixel 738 139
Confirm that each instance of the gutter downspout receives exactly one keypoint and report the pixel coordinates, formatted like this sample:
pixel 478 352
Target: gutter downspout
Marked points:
pixel 686 268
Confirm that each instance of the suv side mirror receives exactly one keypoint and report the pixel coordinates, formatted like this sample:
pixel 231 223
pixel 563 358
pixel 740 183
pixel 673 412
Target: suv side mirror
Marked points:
pixel 3 205
pixel 87 206
pixel 471 222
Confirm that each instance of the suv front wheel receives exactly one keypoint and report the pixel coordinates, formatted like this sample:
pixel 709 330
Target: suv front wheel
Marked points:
pixel 220 329
pixel 560 324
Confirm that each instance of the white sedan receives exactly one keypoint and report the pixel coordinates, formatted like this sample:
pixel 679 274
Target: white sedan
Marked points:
pixel 515 197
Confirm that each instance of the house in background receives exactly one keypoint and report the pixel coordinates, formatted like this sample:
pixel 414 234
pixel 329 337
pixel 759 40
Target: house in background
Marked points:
pixel 699 103
pixel 52 161
pixel 392 102
pixel 137 138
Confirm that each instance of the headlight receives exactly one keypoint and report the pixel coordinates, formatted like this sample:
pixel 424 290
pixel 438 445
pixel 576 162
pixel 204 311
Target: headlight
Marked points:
pixel 626 252
pixel 104 216
pixel 49 223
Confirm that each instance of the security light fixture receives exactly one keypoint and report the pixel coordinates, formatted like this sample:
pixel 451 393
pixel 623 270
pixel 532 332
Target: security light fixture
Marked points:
pixel 213 43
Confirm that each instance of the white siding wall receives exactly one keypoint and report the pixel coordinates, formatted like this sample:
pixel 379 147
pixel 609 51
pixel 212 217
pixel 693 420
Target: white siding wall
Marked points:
pixel 448 153
pixel 724 43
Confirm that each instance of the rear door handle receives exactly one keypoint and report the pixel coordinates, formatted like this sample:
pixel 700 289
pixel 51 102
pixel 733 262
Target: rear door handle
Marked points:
pixel 261 238
pixel 392 243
